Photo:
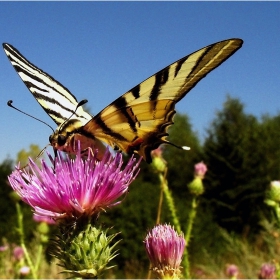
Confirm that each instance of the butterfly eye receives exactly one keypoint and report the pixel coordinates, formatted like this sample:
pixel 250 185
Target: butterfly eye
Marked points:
pixel 61 139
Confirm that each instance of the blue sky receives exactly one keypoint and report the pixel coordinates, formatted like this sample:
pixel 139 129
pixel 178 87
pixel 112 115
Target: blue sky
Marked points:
pixel 99 50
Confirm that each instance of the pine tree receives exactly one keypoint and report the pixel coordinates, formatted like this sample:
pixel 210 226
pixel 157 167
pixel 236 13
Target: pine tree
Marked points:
pixel 237 175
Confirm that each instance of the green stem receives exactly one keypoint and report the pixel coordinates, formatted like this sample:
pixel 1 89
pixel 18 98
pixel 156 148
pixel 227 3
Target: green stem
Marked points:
pixel 160 199
pixel 158 218
pixel 186 264
pixel 39 256
pixel 170 202
pixel 22 244
pixel 192 215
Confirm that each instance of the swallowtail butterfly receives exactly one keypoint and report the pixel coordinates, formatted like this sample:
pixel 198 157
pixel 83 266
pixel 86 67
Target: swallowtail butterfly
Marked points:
pixel 136 121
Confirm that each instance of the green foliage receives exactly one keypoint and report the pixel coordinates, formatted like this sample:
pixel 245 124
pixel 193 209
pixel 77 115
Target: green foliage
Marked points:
pixel 7 205
pixel 23 155
pixel 242 154
pixel 269 145
pixel 7 208
pixel 180 162
pixel 239 168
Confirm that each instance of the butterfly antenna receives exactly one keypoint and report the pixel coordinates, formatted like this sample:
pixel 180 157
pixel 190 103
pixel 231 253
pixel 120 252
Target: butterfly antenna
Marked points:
pixel 186 148
pixel 81 103
pixel 38 156
pixel 9 103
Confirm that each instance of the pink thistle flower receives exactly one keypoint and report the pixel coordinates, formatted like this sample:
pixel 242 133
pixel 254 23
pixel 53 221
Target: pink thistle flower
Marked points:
pixel 200 169
pixel 4 248
pixel 18 253
pixel 78 187
pixel 43 219
pixel 25 270
pixel 157 152
pixel 232 271
pixel 165 248
pixel 267 271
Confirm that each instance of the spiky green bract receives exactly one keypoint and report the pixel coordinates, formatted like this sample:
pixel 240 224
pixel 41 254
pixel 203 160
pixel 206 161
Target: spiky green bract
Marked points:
pixel 84 250
pixel 196 186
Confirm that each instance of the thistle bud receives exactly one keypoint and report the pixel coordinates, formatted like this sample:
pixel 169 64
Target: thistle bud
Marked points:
pixel 87 253
pixel 273 193
pixel 158 162
pixel 196 186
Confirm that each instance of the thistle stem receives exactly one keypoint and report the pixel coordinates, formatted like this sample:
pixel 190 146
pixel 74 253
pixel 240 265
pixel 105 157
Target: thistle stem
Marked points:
pixel 192 215
pixel 158 217
pixel 22 244
pixel 160 199
pixel 39 256
pixel 170 202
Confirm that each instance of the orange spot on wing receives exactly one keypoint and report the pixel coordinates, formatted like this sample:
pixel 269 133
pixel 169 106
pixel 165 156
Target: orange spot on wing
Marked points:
pixel 135 145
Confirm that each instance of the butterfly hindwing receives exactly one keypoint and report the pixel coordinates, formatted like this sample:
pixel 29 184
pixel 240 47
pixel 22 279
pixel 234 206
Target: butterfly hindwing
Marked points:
pixel 138 120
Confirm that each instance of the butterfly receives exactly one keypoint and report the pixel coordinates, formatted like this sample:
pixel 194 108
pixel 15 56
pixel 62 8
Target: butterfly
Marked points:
pixel 137 121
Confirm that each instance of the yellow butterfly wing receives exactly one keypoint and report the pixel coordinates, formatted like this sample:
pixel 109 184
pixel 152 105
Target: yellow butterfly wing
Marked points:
pixel 138 120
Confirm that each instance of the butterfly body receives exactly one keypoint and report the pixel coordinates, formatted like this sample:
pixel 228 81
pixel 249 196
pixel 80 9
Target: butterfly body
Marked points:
pixel 66 137
pixel 137 121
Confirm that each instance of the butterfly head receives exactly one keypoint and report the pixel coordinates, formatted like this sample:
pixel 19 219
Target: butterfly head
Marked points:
pixel 67 135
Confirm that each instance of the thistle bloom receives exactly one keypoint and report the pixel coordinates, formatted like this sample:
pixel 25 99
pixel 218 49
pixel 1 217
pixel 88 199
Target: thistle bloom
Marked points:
pixel 200 169
pixel 232 271
pixel 18 253
pixel 77 187
pixel 267 271
pixel 43 219
pixel 165 248
pixel 196 186
pixel 25 270
pixel 3 248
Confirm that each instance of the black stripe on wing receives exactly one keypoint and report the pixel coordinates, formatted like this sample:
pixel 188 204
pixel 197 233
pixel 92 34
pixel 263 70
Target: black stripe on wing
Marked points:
pixel 46 89
pixel 98 120
pixel 35 90
pixel 122 106
pixel 10 50
pixel 160 79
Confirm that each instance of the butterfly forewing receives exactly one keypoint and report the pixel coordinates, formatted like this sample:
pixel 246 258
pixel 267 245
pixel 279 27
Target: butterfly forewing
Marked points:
pixel 58 102
pixel 136 121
